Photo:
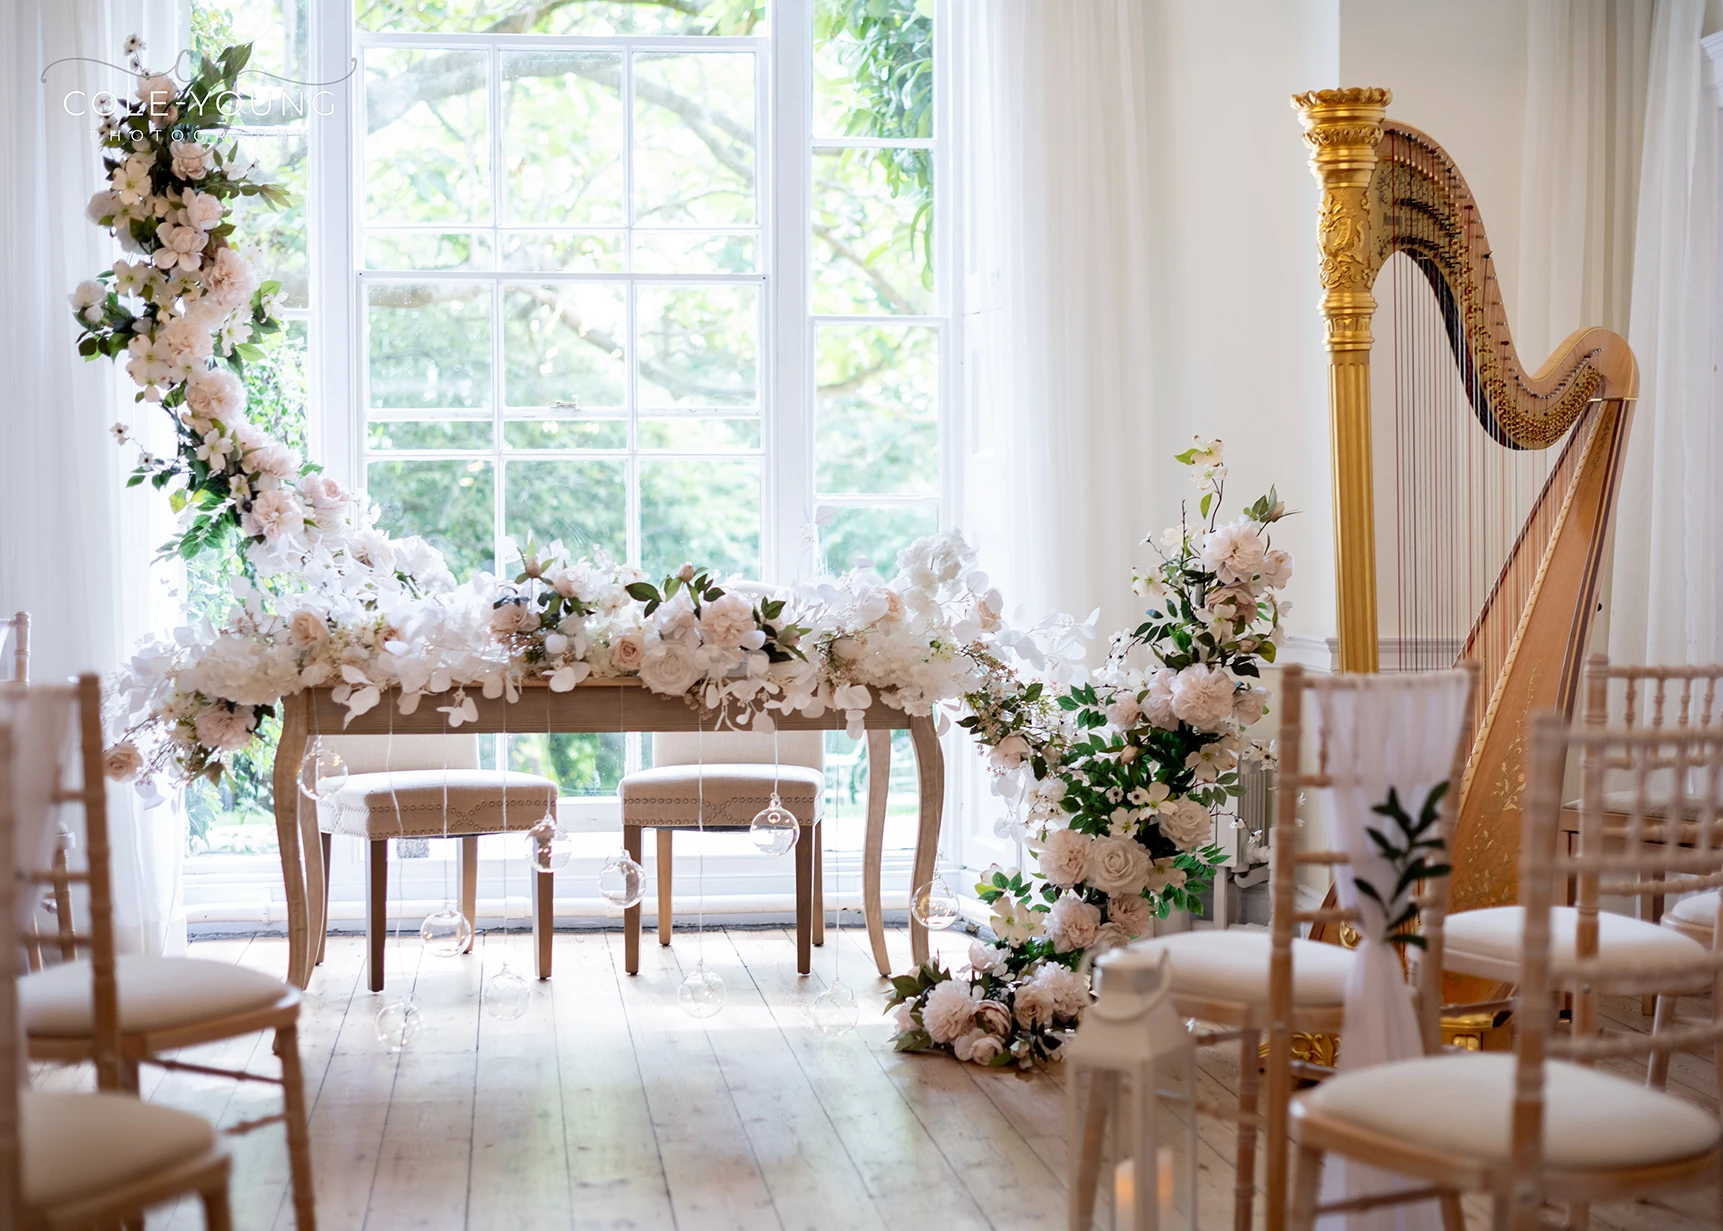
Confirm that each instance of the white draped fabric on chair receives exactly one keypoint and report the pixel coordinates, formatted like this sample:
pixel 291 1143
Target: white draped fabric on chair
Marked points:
pixel 1397 735
pixel 74 544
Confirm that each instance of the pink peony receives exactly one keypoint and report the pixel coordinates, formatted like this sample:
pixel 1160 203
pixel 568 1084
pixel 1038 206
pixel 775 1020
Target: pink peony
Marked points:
pixel 1132 913
pixel 224 729
pixel 728 622
pixel 1065 857
pixel 1073 923
pixel 949 1011
pixel 1234 552
pixel 1202 697
pixel 274 515
pixel 1158 701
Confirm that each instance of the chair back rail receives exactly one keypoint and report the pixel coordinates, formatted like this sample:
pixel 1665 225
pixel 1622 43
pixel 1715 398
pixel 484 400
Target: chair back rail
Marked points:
pixel 11 1045
pixel 1287 860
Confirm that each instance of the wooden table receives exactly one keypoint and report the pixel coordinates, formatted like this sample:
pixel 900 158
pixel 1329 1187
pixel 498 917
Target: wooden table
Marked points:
pixel 593 706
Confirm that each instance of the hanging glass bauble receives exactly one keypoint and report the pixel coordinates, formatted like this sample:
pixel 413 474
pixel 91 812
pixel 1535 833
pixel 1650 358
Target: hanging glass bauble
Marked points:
pixel 322 772
pixel 934 905
pixel 398 1025
pixel 507 995
pixel 774 829
pixel 701 993
pixel 622 881
pixel 446 932
pixel 835 1011
pixel 550 847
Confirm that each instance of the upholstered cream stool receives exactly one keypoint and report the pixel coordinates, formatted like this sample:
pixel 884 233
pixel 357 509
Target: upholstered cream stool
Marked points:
pixel 720 780
pixel 430 786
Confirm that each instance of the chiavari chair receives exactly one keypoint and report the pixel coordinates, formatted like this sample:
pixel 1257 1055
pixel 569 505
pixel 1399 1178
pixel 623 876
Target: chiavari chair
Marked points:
pixel 60 903
pixel 163 1004
pixel 77 1160
pixel 1544 1124
pixel 1228 978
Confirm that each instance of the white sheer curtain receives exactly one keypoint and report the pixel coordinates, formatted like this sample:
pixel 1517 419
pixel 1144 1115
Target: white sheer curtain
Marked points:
pixel 1058 186
pixel 74 546
pixel 1666 602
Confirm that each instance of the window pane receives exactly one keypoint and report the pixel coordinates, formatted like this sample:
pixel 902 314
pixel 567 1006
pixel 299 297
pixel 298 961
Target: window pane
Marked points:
pixel 278 234
pixel 449 503
pixel 854 536
pixel 704 512
pixel 427 142
pixel 278 31
pixel 694 154
pixel 698 345
pixel 467 435
pixel 563 252
pixel 587 17
pixel 873 68
pixel 565 434
pixel 429 344
pixel 700 434
pixel 563 344
pixel 427 250
pixel 562 137
pixel 579 764
pixel 275 383
pixel 876 413
pixel 872 228
pixel 583 503
pixel 694 252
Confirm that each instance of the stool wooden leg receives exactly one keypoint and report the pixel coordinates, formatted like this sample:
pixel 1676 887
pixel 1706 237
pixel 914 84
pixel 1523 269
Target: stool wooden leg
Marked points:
pixel 666 883
pixel 470 886
pixel 805 900
pixel 818 834
pixel 631 914
pixel 376 909
pixel 543 918
pixel 1657 1067
pixel 298 1127
pixel 327 841
pixel 1244 1168
pixel 1306 1177
pixel 216 1214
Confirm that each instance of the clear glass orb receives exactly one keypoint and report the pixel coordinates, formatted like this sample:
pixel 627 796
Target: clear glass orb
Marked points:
pixel 701 993
pixel 507 995
pixel 934 905
pixel 446 932
pixel 398 1025
pixel 622 882
pixel 549 848
pixel 835 1011
pixel 322 772
pixel 774 829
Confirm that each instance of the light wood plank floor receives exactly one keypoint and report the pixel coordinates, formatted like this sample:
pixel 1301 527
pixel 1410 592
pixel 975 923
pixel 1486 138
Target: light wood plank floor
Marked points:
pixel 606 1106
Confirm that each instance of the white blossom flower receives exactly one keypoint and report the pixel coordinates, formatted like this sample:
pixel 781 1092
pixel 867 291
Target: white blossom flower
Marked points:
pixel 180 245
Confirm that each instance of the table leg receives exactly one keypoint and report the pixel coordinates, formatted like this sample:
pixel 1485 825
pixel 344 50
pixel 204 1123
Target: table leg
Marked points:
pixel 873 845
pixel 805 900
pixel 543 918
pixel 316 901
pixel 376 910
pixel 818 833
pixel 930 769
pixel 289 752
pixel 631 914
pixel 326 847
pixel 470 886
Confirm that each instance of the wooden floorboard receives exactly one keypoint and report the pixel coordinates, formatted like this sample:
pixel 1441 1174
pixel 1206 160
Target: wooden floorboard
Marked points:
pixel 605 1106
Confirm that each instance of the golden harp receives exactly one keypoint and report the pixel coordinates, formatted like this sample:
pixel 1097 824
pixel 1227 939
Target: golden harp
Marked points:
pixel 1503 482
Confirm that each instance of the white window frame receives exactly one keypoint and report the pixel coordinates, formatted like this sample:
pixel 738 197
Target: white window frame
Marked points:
pixel 245 889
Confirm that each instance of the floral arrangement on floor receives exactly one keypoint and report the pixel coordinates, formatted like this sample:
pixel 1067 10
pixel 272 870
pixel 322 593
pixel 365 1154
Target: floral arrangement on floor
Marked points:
pixel 1123 774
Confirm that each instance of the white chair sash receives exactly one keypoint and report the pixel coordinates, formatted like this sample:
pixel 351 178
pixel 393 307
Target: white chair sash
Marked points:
pixel 1392 732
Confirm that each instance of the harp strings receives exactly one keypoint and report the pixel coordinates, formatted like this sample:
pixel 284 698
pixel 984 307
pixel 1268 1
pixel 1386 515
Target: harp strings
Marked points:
pixel 1471 517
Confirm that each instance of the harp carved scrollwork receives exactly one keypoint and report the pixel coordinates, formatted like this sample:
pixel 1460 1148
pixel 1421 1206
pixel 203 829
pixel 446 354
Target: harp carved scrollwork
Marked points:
pixel 1389 189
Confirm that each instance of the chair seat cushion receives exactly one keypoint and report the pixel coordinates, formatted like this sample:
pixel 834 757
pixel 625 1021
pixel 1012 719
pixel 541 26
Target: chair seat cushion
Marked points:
pixel 1487 942
pixel 1622 803
pixel 419 803
pixel 1700 910
pixel 1233 965
pixel 1463 1104
pixel 77 1145
pixel 155 993
pixel 671 795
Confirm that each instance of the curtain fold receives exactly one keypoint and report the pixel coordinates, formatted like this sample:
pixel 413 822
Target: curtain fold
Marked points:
pixel 74 544
pixel 1666 603
pixel 1058 185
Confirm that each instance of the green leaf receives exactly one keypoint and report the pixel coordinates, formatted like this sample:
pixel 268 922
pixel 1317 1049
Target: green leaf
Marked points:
pixel 644 591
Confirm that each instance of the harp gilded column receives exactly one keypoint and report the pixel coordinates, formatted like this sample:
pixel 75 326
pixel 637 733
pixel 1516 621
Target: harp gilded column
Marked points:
pixel 1342 128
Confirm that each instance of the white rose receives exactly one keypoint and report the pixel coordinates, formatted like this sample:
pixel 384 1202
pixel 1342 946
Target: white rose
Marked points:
pixel 1010 753
pixel 1118 865
pixel 986 1049
pixel 627 651
pixel 274 515
pixel 215 394
pixel 1202 697
pixel 122 762
pixel 307 630
pixel 1124 712
pixel 223 729
pixel 373 549
pixel 669 667
pixel 1132 914
pixel 986 959
pixel 190 160
pixel 275 460
pixel 1249 705
pixel 1158 701
pixel 507 618
pixel 949 1011
pixel 728 622
pixel 1277 568
pixel 324 493
pixel 1065 857
pixel 1070 990
pixel 1033 1004
pixel 203 210
pixel 1234 552
pixel 1073 923
pixel 87 294
pixel 156 92
pixel 1186 824
pixel 993 1017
